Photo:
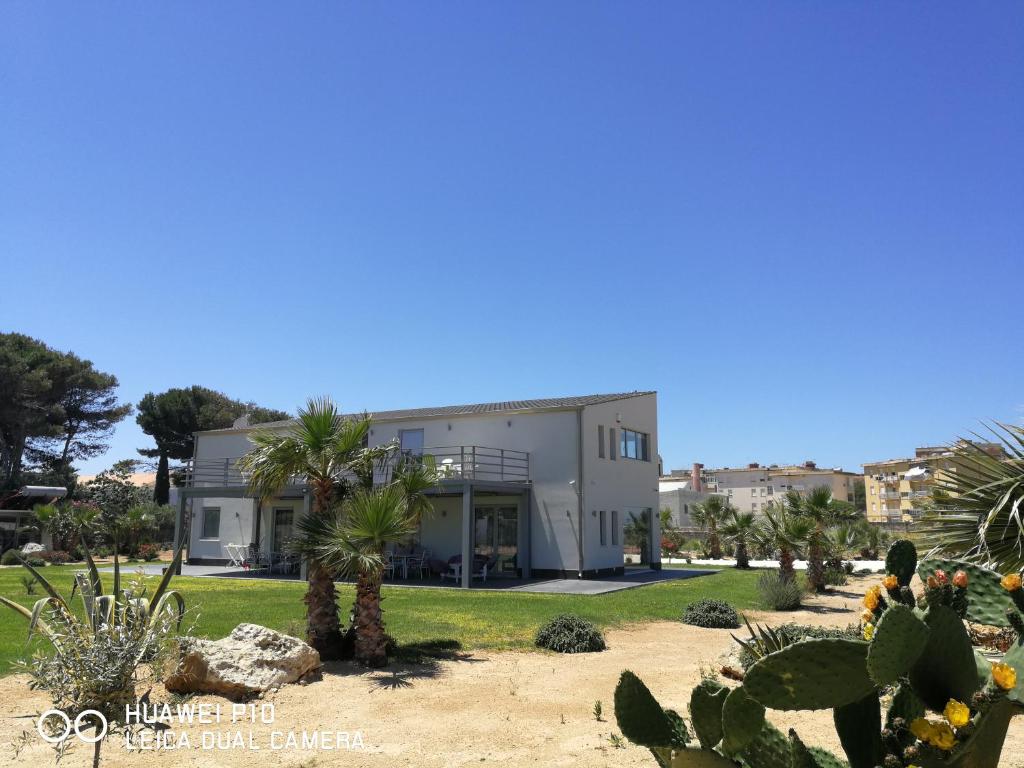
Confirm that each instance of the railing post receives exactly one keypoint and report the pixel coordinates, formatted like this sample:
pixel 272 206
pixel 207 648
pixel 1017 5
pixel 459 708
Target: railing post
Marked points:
pixel 502 460
pixel 462 460
pixel 474 463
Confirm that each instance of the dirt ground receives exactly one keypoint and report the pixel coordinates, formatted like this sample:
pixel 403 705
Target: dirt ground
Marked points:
pixel 516 709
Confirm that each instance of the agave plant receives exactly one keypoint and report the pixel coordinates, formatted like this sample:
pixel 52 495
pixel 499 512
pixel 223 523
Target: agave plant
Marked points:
pixel 977 509
pixel 97 652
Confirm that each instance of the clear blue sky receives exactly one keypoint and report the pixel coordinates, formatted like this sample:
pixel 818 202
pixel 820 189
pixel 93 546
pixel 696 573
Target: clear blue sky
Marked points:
pixel 802 223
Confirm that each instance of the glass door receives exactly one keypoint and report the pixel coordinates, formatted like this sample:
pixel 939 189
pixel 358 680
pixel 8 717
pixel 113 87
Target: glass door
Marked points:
pixel 284 520
pixel 496 539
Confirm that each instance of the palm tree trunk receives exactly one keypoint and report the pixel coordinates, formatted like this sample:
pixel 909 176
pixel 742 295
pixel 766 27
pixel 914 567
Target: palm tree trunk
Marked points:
pixel 815 561
pixel 786 569
pixel 323 631
pixel 371 642
pixel 742 560
pixel 713 543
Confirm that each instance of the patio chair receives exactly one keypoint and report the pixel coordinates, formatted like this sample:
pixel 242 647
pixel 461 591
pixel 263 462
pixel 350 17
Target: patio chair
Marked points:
pixel 389 565
pixel 454 571
pixel 421 564
pixel 481 567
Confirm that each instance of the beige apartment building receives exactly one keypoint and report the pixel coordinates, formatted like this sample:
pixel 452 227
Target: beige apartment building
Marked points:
pixel 753 487
pixel 896 490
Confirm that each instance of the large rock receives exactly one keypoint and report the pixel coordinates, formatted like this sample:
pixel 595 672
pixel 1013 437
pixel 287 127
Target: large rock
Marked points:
pixel 250 660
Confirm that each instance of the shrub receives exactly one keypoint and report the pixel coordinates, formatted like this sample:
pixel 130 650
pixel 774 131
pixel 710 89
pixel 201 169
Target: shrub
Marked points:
pixel 836 577
pixel 778 593
pixel 711 613
pixel 570 634
pixel 35 561
pixel 56 557
pixel 10 557
pixel 149 552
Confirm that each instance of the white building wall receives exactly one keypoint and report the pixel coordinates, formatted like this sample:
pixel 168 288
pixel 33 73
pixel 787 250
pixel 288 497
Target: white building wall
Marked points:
pixel 623 485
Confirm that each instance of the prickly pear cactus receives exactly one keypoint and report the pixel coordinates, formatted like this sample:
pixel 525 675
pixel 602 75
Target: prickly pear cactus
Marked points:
pixel 987 601
pixel 901 561
pixel 950 705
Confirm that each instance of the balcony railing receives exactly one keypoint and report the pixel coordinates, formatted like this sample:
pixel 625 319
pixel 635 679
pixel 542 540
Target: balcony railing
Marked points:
pixel 889 495
pixel 459 462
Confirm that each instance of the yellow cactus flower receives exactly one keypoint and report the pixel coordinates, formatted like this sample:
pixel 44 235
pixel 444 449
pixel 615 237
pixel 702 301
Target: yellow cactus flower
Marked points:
pixel 891 582
pixel 942 737
pixel 869 631
pixel 922 729
pixel 1004 676
pixel 1011 582
pixel 872 597
pixel 957 713
pixel 867 617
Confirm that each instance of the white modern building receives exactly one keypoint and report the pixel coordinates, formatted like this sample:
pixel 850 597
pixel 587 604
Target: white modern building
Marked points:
pixel 541 488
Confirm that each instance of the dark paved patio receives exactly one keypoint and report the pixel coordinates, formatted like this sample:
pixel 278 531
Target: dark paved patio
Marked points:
pixel 631 579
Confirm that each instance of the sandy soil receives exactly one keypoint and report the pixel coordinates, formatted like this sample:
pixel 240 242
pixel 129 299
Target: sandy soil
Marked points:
pixel 516 709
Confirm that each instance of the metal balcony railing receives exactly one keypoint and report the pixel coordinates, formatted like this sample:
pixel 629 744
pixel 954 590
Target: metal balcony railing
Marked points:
pixel 459 462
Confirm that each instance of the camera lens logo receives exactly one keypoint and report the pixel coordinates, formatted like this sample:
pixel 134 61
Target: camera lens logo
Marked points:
pixel 98 723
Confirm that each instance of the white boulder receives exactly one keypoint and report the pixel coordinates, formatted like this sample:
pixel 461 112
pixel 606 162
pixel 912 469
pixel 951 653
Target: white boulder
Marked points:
pixel 250 660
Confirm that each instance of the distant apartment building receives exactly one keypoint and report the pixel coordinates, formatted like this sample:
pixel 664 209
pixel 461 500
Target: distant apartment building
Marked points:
pixel 753 487
pixel 679 491
pixel 895 490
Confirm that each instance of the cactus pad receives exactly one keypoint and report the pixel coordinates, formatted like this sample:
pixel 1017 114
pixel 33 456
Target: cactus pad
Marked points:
pixel 640 717
pixel 946 668
pixel 901 561
pixel 742 720
pixel 899 639
pixel 769 749
pixel 1015 658
pixel 859 727
pixel 706 702
pixel 987 601
pixel 813 757
pixel 812 674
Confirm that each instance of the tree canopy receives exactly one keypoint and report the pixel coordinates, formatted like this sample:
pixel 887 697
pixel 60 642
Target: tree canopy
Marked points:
pixel 172 417
pixel 55 408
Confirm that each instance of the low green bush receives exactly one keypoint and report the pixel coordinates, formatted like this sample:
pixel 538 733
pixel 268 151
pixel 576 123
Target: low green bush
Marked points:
pixel 570 634
pixel 778 593
pixel 10 557
pixel 836 577
pixel 711 613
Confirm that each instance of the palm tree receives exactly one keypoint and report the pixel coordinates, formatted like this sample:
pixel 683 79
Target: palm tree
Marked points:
pixel 740 531
pixel 708 515
pixel 353 541
pixel 822 511
pixel 977 511
pixel 787 532
pixel 319 448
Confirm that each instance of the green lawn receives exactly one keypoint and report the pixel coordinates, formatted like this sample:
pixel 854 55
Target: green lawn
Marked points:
pixel 473 618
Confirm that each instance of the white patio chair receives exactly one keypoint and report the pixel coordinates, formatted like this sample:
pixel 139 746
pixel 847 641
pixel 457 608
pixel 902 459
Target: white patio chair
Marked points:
pixel 422 564
pixel 389 565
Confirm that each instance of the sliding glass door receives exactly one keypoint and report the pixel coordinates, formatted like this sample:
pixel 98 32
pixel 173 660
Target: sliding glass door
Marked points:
pixel 496 539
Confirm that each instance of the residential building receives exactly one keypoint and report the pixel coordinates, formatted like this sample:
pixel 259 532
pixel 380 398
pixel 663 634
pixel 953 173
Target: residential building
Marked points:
pixel 751 488
pixel 539 487
pixel 895 490
pixel 678 492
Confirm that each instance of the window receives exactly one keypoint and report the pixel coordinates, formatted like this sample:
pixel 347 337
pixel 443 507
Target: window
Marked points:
pixel 872 490
pixel 753 491
pixel 411 441
pixel 753 506
pixel 604 538
pixel 211 522
pixel 634 445
pixel 600 441
pixel 611 443
pixel 771 490
pixel 615 526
